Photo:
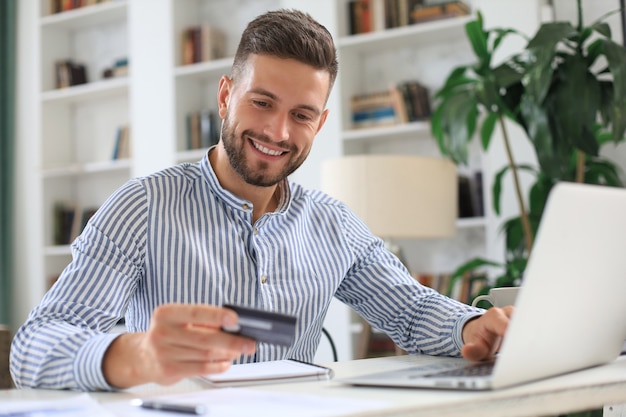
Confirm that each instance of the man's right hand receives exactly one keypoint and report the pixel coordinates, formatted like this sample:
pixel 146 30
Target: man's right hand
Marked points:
pixel 182 341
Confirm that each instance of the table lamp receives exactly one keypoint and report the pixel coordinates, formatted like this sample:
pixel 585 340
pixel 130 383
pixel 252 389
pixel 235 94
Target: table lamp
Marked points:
pixel 397 196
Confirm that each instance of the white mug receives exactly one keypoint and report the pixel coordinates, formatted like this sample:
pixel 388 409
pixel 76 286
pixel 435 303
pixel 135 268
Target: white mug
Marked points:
pixel 499 297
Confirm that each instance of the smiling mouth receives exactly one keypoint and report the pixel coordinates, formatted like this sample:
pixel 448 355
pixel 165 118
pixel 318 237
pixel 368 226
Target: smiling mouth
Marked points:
pixel 265 150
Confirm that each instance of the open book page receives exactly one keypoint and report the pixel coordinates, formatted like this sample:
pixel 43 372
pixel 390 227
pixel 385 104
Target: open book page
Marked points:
pixel 287 370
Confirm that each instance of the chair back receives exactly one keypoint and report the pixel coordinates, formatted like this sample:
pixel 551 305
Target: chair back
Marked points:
pixel 5 345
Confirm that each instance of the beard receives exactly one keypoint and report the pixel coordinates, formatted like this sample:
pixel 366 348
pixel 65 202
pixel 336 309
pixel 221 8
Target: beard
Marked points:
pixel 256 175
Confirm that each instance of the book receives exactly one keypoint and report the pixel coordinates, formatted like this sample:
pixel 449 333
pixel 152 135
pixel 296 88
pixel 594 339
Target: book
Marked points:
pixel 69 73
pixel 119 69
pixel 213 43
pixel 470 195
pixel 397 13
pixel 58 6
pixel 121 145
pixel 427 13
pixel 359 13
pixel 202 43
pixel 187 47
pixel 465 197
pixel 377 15
pixel 64 216
pixel 193 130
pixel 400 105
pixel 202 131
pixel 271 372
pixel 374 109
pixel 419 96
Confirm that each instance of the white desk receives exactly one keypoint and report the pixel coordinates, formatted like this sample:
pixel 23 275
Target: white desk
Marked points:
pixel 588 389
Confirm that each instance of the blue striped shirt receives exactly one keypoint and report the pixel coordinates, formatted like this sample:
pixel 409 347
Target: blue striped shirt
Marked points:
pixel 178 236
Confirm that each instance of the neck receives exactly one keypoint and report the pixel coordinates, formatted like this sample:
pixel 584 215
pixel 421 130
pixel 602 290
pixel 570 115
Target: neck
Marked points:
pixel 263 199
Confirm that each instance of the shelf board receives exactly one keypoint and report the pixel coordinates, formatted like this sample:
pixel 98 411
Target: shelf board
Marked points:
pixel 88 16
pixel 100 167
pixel 421 129
pixel 471 223
pixel 84 92
pixel 107 166
pixel 57 250
pixel 428 32
pixel 204 70
pixel 192 155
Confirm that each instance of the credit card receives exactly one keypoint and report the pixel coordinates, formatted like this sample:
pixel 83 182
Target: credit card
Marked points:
pixel 263 326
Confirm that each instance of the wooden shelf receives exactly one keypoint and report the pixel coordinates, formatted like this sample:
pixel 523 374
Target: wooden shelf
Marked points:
pixel 101 167
pixel 87 16
pixel 399 131
pixel 204 70
pixel 424 33
pixel 85 92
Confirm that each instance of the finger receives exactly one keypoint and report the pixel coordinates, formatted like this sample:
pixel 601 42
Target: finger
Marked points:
pixel 475 351
pixel 202 339
pixel 497 319
pixel 195 314
pixel 180 354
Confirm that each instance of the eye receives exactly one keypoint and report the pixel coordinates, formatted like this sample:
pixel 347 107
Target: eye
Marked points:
pixel 302 117
pixel 260 103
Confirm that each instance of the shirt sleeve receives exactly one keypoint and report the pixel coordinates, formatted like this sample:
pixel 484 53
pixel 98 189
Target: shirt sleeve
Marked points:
pixel 63 341
pixel 381 289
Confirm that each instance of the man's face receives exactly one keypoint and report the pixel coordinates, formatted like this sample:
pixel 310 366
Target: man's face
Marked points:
pixel 271 115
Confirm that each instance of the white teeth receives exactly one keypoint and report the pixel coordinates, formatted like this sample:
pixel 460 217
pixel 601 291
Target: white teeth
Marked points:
pixel 266 150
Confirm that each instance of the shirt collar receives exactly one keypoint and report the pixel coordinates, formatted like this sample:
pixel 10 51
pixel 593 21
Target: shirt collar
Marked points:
pixel 233 200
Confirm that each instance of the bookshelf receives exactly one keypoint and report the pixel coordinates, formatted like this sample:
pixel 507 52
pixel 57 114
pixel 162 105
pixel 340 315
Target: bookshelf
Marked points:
pixel 78 123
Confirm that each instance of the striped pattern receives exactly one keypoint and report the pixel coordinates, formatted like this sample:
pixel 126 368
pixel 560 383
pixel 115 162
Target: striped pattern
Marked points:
pixel 177 236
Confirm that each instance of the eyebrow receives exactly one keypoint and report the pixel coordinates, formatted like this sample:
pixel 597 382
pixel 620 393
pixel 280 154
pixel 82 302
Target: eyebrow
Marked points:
pixel 274 97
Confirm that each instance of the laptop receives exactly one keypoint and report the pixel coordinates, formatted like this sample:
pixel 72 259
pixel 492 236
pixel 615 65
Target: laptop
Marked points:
pixel 570 313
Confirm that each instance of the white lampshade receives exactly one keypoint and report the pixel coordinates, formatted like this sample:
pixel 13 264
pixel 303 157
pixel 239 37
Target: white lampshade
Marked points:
pixel 396 196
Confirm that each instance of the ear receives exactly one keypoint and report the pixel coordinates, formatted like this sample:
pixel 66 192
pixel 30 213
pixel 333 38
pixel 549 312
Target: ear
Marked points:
pixel 322 120
pixel 223 95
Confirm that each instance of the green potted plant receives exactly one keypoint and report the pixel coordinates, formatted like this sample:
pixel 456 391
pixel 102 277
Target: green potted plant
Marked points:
pixel 566 90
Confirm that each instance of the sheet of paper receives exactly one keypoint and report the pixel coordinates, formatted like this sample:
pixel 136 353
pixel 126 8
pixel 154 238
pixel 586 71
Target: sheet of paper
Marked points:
pixel 245 402
pixel 76 406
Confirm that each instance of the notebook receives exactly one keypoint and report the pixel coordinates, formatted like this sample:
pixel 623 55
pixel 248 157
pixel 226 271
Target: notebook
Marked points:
pixel 570 313
pixel 271 372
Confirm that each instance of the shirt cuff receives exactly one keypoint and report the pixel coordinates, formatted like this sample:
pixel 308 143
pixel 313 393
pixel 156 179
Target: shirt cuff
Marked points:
pixel 457 331
pixel 88 364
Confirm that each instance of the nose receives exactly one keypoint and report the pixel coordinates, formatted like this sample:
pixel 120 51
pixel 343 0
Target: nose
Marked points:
pixel 277 126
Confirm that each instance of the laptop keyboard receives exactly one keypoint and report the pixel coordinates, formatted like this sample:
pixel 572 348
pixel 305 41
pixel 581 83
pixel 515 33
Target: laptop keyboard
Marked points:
pixel 477 369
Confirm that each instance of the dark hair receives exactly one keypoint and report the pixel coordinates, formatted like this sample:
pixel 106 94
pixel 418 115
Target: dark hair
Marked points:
pixel 288 34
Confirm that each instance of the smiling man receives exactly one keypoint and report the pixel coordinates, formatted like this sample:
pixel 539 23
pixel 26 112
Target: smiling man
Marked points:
pixel 168 250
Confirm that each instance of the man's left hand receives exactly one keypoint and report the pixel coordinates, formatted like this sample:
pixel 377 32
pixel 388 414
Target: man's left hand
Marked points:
pixel 482 336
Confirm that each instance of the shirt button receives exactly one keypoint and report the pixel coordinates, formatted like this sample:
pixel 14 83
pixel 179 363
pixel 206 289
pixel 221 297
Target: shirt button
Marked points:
pixel 255 231
pixel 264 279
pixel 245 206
